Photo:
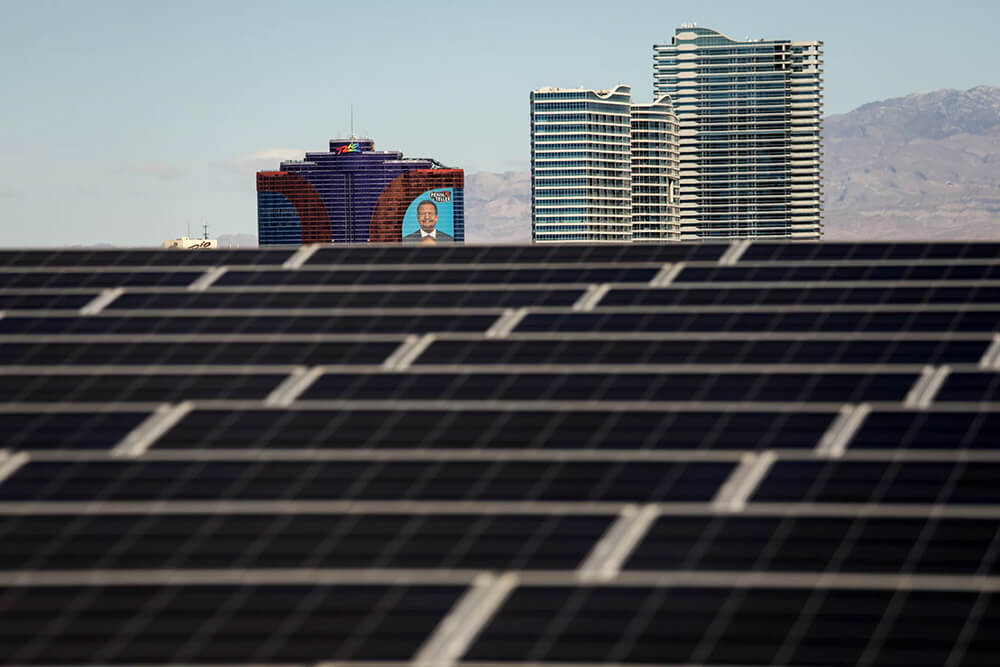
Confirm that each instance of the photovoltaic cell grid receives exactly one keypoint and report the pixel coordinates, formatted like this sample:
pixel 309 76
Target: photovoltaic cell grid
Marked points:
pixel 745 454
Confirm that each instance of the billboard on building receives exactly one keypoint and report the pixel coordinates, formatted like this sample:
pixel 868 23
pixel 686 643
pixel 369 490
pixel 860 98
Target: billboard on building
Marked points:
pixel 430 218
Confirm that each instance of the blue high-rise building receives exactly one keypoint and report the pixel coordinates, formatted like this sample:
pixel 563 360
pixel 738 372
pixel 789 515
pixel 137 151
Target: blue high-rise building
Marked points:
pixel 355 194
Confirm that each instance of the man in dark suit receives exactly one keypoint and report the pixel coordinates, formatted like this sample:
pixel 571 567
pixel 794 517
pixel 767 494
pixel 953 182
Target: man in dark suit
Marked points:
pixel 427 217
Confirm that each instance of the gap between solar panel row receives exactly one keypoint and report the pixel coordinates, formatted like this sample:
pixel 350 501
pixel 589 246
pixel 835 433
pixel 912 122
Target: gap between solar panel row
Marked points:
pixel 432 577
pixel 832 510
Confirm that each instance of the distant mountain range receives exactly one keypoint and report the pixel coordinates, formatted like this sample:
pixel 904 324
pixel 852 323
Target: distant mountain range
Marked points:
pixel 924 166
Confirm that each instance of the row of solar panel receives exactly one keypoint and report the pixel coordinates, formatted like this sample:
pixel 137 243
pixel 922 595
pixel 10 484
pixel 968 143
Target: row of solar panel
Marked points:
pixel 555 479
pixel 460 298
pixel 759 251
pixel 721 625
pixel 503 352
pixel 687 625
pixel 593 429
pixel 916 320
pixel 500 275
pixel 731 386
pixel 492 541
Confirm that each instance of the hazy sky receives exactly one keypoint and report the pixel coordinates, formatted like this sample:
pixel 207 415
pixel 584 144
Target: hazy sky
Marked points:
pixel 124 122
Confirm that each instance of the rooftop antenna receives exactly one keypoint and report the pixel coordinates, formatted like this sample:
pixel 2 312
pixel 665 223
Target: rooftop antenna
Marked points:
pixel 352 121
pixel 204 231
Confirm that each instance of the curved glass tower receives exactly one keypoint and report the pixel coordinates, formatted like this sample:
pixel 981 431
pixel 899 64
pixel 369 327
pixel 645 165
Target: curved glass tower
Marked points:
pixel 580 169
pixel 750 116
pixel 655 215
pixel 602 169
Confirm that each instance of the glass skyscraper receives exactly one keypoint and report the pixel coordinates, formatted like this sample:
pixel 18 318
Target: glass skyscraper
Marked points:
pixel 654 160
pixel 750 116
pixel 600 166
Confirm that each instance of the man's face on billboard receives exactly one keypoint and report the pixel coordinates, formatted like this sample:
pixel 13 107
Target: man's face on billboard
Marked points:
pixel 427 216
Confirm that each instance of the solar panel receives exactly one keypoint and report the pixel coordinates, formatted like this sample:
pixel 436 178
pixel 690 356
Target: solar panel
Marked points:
pixel 140 387
pixel 137 258
pixel 218 623
pixel 797 320
pixel 691 454
pixel 326 540
pixel 688 625
pixel 42 430
pixel 924 482
pixel 45 300
pixel 811 543
pixel 929 430
pixel 218 353
pixel 405 479
pixel 621 386
pixel 579 429
pixel 457 276
pixel 230 323
pixel 787 350
pixel 547 254
pixel 836 273
pixel 868 252
pixel 69 279
pixel 283 299
pixel 803 296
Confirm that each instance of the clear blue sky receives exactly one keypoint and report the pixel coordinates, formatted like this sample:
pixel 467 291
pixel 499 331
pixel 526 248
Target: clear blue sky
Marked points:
pixel 123 122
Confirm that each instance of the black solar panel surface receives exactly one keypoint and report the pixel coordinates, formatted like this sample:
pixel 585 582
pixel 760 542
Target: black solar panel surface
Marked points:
pixel 218 353
pixel 384 298
pixel 746 321
pixel 870 252
pixel 66 430
pixel 139 387
pixel 819 544
pixel 140 258
pixel 406 480
pixel 229 323
pixel 90 279
pixel 801 296
pixel 771 351
pixel 46 300
pixel 951 482
pixel 209 541
pixel 666 386
pixel 582 429
pixel 458 276
pixel 221 623
pixel 711 454
pixel 547 254
pixel 687 625
pixel 929 430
